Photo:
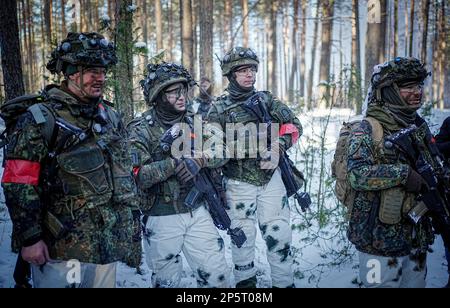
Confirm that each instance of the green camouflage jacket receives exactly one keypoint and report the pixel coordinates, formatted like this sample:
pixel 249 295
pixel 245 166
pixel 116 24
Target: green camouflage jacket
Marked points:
pixel 248 170
pixel 378 173
pixel 80 201
pixel 160 192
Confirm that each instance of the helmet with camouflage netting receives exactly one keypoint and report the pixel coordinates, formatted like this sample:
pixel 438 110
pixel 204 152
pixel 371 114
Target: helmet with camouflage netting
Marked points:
pixel 160 76
pixel 399 71
pixel 82 50
pixel 236 57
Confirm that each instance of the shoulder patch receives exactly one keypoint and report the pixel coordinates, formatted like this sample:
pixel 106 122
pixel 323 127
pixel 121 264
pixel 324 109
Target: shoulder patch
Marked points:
pixel 286 113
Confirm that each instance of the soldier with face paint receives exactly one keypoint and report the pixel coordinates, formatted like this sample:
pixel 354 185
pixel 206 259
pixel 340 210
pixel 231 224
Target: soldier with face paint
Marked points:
pixel 176 218
pixel 68 178
pixel 254 187
pixel 386 183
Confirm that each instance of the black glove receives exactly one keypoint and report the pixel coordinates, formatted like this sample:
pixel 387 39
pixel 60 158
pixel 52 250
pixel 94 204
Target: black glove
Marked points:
pixel 188 168
pixel 415 182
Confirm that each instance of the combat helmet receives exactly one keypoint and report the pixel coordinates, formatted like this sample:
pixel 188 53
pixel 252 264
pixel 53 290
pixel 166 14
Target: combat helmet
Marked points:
pixel 82 50
pixel 236 57
pixel 162 75
pixel 399 71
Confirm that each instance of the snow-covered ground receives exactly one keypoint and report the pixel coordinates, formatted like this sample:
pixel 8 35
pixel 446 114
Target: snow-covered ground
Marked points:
pixel 323 256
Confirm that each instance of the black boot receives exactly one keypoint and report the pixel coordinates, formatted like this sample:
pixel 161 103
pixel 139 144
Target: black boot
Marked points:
pixel 24 285
pixel 249 283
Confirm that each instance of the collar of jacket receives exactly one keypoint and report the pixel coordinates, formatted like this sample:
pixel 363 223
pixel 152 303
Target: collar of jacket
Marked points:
pixel 61 95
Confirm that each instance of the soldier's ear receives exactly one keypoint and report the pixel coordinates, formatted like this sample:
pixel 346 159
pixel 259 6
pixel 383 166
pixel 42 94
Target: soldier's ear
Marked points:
pixel 73 77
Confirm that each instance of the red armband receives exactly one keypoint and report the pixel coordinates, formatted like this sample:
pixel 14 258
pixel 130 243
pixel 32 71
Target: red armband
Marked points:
pixel 290 129
pixel 21 172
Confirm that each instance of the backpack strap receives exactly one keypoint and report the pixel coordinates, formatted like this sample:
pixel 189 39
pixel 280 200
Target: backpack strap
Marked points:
pixel 46 119
pixel 267 100
pixel 377 130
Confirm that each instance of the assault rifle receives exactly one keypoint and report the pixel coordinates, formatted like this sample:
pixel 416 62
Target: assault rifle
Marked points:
pixel 206 188
pixel 287 168
pixel 435 196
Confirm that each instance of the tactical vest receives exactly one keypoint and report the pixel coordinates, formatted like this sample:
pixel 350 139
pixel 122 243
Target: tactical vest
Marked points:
pixel 86 184
pixel 168 197
pixel 243 169
pixel 96 169
pixel 379 222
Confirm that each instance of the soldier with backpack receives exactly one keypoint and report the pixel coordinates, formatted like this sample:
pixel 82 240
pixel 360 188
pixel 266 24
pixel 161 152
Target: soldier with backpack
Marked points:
pixel 68 180
pixel 380 183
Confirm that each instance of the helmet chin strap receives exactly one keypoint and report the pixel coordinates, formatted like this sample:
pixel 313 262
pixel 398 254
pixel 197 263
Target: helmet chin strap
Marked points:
pixel 80 85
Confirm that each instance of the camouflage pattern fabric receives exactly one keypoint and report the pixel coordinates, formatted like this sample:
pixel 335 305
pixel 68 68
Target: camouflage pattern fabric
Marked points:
pixel 82 50
pixel 371 171
pixel 92 193
pixel 248 169
pixel 266 207
pixel 399 70
pixel 54 275
pixel 195 235
pixel 236 57
pixel 160 76
pixel 395 272
pixel 161 193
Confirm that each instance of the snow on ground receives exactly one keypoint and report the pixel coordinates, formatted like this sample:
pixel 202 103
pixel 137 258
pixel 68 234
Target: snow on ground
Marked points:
pixel 323 256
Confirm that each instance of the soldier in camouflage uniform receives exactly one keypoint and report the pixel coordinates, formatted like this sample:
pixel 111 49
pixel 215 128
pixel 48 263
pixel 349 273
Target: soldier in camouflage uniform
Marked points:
pixel 443 143
pixel 164 181
pixel 254 188
pixel 68 179
pixel 392 249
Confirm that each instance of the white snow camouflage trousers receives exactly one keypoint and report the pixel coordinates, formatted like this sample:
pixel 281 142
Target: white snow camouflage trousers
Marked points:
pixel 165 237
pixel 389 272
pixel 268 206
